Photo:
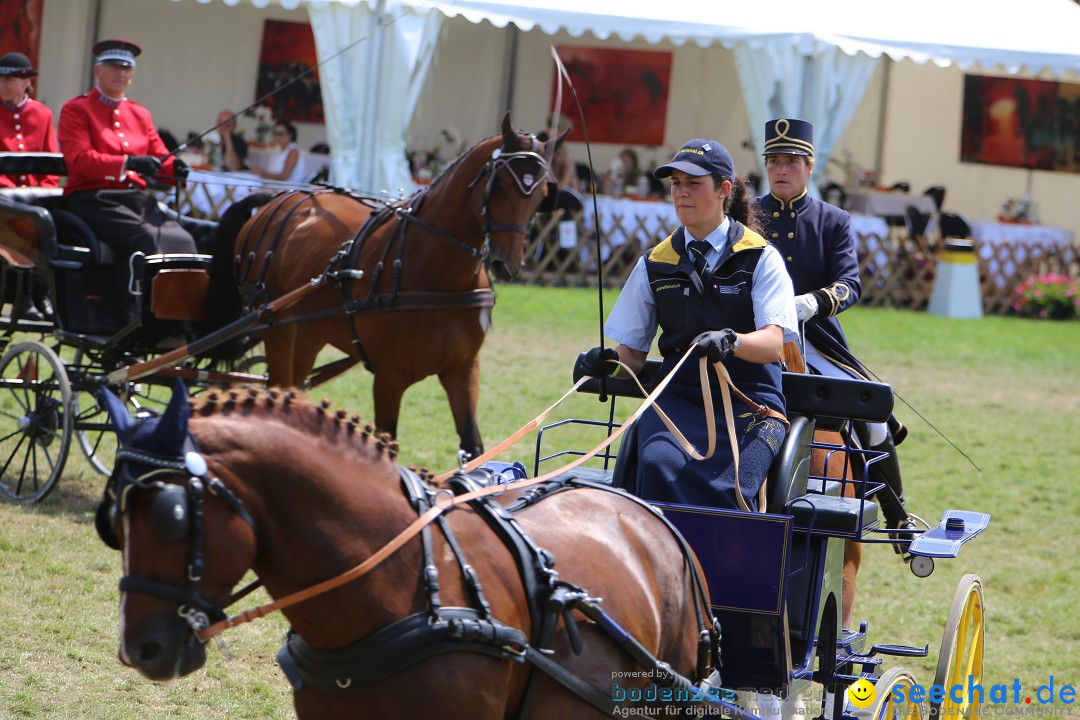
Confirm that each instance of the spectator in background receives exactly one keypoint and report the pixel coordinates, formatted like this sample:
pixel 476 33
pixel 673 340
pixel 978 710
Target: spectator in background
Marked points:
pixel 284 165
pixel 25 124
pixel 234 148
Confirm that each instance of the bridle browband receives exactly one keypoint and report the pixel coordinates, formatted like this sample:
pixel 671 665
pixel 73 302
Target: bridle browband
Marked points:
pixel 177 513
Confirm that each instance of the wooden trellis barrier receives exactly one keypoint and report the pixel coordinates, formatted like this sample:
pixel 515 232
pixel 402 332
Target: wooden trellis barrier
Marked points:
pixel 896 270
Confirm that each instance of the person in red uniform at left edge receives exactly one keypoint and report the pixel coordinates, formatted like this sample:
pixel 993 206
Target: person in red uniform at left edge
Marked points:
pixel 25 124
pixel 110 146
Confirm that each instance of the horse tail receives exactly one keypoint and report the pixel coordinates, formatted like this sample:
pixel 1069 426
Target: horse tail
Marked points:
pixel 223 299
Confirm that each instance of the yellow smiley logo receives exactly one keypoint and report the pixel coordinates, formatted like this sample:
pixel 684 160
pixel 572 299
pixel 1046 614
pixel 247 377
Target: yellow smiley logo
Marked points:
pixel 861 693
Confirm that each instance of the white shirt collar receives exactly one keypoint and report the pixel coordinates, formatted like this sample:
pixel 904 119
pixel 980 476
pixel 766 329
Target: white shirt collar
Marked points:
pixel 717 238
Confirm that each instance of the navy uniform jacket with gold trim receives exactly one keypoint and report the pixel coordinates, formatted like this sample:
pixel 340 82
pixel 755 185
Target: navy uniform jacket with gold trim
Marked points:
pixel 685 308
pixel 818 248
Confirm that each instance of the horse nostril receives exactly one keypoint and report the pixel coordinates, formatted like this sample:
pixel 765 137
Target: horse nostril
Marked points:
pixel 147 652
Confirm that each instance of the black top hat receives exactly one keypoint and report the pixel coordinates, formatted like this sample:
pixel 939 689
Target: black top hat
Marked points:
pixel 119 52
pixel 787 136
pixel 15 64
pixel 700 157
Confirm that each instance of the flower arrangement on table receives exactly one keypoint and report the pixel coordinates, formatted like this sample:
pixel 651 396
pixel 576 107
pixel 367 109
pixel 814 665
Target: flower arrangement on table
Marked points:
pixel 1052 296
pixel 262 117
pixel 427 164
pixel 1018 210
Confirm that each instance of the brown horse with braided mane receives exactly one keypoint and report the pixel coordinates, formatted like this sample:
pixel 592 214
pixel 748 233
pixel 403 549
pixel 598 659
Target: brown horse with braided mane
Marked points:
pixel 448 625
pixel 408 290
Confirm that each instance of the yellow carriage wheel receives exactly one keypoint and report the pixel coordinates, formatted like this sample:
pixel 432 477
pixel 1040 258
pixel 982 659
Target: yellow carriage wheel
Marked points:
pixel 883 708
pixel 961 655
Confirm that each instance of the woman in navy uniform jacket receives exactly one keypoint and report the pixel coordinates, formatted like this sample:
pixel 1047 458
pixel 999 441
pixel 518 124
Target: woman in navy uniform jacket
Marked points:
pixel 818 248
pixel 110 146
pixel 718 285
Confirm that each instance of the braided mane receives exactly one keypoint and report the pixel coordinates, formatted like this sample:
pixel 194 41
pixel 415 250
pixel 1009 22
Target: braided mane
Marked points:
pixel 288 406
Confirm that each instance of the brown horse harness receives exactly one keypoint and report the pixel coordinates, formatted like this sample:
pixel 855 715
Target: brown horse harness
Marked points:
pixel 176 514
pixel 343 264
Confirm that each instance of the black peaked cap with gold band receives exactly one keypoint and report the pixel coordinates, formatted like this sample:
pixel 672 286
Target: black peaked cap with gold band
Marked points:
pixel 788 136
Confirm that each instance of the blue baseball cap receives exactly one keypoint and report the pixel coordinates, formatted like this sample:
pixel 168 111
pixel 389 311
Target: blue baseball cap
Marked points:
pixel 700 157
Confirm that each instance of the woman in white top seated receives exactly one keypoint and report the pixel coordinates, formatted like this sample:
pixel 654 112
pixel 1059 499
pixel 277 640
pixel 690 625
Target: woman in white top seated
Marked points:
pixel 285 165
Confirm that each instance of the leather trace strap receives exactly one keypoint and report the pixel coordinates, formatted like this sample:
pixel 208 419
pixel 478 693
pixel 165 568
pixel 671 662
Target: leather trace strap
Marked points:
pixel 446 502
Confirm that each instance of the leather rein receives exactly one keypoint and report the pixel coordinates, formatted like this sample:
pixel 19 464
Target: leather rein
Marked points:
pixel 444 502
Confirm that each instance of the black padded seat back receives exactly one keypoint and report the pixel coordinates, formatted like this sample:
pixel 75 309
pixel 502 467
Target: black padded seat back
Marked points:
pixel 820 397
pixel 790 470
pixel 43 197
pixel 74 232
pixel 73 239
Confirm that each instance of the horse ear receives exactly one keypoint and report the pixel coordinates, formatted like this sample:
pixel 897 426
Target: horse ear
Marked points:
pixel 510 136
pixel 172 428
pixel 562 137
pixel 118 413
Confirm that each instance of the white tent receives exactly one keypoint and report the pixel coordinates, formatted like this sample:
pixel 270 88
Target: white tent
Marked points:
pixel 811 60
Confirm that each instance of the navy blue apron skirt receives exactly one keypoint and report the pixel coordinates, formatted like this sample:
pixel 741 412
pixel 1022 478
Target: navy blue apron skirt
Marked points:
pixel 668 474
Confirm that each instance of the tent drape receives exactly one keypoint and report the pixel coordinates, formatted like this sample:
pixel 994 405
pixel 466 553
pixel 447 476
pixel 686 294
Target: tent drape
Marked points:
pixel 830 85
pixel 366 102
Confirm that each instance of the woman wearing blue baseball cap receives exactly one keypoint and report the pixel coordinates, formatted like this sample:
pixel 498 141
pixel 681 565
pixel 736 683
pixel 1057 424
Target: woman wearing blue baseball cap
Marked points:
pixel 715 284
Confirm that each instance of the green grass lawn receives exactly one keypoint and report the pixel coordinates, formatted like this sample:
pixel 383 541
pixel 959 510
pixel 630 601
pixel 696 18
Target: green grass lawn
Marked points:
pixel 1002 390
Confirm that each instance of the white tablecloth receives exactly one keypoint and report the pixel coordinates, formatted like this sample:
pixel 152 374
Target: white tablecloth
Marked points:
pixel 640 222
pixel 864 225
pixel 211 192
pixel 623 218
pixel 888 204
pixel 647 222
pixel 1023 239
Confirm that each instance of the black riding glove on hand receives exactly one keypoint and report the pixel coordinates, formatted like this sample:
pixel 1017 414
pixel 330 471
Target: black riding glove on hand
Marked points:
pixel 180 169
pixel 596 363
pixel 144 164
pixel 716 345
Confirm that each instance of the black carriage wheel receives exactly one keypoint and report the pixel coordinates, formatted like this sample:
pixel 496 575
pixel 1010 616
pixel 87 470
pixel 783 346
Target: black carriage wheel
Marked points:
pixel 35 421
pixel 93 428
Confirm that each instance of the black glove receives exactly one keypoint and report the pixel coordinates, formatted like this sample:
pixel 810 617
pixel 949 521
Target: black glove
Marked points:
pixel 180 168
pixel 144 164
pixel 596 363
pixel 716 345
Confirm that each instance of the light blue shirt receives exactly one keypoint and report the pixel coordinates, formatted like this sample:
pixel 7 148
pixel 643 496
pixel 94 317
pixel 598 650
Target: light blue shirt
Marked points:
pixel 633 322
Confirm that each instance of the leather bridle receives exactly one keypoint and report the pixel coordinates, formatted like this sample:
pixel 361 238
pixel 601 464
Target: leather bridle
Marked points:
pixel 176 514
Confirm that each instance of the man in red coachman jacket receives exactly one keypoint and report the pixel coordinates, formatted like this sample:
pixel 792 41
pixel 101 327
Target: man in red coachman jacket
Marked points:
pixel 25 124
pixel 111 146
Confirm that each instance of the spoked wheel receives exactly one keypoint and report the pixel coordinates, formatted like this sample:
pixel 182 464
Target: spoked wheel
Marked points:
pixel 35 421
pixel 961 654
pixel 94 430
pixel 883 707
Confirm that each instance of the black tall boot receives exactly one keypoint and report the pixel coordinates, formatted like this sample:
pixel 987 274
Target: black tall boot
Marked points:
pixel 891 497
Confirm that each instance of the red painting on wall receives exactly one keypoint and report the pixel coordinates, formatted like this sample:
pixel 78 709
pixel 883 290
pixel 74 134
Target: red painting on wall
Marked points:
pixel 288 52
pixel 20 28
pixel 623 93
pixel 1021 123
